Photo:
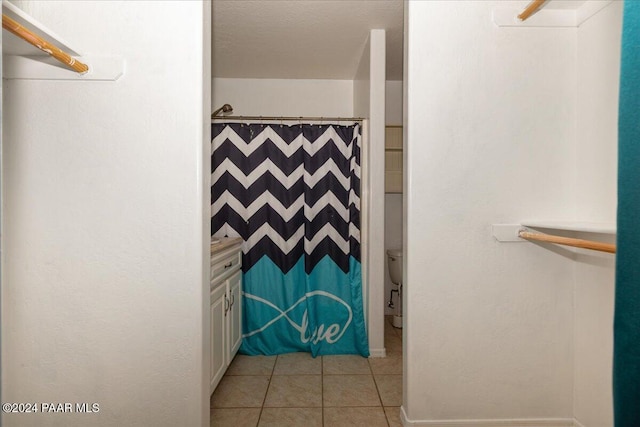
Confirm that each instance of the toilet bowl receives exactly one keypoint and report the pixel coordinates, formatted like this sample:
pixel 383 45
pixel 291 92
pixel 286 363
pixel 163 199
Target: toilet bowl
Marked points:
pixel 394 261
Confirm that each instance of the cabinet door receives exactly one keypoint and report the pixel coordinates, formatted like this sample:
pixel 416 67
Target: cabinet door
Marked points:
pixel 235 315
pixel 219 305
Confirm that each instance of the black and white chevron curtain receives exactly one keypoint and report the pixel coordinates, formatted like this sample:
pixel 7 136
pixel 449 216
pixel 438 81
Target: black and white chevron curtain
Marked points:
pixel 292 193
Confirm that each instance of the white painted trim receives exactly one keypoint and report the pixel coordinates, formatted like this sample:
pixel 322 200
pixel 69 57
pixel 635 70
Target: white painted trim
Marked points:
pixel 364 221
pixel 524 422
pixel 205 194
pixel 403 415
pixel 369 102
pixel 377 352
pixel 529 422
pixel 376 254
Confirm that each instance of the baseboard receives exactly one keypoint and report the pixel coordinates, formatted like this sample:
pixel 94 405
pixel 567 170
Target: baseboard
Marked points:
pixel 577 423
pixel 528 422
pixel 378 352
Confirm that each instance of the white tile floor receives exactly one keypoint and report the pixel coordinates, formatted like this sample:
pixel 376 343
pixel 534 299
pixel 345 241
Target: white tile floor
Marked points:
pixel 292 390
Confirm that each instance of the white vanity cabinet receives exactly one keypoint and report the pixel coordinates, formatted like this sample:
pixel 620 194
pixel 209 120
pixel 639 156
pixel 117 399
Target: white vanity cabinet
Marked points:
pixel 218 335
pixel 235 313
pixel 226 307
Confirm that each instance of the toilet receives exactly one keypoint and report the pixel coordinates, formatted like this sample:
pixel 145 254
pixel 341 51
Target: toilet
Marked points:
pixel 394 260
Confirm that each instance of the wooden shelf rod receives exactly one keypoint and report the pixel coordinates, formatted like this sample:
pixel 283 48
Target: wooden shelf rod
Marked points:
pixel 42 44
pixel 567 241
pixel 530 9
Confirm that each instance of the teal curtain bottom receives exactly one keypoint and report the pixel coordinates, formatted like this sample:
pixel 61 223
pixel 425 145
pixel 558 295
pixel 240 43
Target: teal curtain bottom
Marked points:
pixel 626 357
pixel 320 312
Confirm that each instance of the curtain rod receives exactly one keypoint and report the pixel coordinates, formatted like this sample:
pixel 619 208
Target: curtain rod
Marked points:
pixel 282 118
pixel 567 241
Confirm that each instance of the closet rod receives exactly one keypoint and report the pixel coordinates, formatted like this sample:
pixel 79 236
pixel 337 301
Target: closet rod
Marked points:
pixel 274 118
pixel 530 9
pixel 577 243
pixel 37 41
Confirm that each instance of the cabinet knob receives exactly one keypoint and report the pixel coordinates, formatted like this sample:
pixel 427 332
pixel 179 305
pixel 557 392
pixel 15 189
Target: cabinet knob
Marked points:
pixel 226 305
pixel 228 265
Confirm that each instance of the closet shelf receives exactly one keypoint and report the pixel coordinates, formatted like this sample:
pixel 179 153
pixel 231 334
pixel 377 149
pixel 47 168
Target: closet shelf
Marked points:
pixel 584 227
pixel 510 232
pixel 22 60
pixel 552 14
pixel 19 31
pixel 530 230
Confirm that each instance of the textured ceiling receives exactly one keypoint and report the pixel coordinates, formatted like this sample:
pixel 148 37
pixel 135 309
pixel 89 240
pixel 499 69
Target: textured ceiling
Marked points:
pixel 302 39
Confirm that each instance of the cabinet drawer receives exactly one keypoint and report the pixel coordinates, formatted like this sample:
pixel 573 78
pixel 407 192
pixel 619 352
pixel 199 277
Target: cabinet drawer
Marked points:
pixel 226 265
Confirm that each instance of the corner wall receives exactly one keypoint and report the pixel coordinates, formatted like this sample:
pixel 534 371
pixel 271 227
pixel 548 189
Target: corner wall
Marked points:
pixel 598 77
pixel 105 238
pixel 369 102
pixel 490 129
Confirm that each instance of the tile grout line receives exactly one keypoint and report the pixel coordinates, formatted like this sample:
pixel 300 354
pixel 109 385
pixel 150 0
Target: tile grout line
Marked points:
pixel 395 332
pixel 264 399
pixel 375 383
pixel 322 389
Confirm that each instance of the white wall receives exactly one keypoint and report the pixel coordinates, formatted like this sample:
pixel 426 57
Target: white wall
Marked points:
pixel 289 98
pixel 361 107
pixel 369 101
pixel 598 80
pixel 598 77
pixel 490 124
pixel 105 222
pixel 362 83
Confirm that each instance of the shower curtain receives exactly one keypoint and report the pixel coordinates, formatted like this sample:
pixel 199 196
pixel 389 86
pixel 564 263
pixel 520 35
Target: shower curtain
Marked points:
pixel 626 332
pixel 293 194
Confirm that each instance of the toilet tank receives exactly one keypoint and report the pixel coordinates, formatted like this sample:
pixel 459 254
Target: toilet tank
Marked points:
pixel 394 260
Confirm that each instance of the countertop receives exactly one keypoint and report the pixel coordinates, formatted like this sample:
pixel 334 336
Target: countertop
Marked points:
pixel 225 242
